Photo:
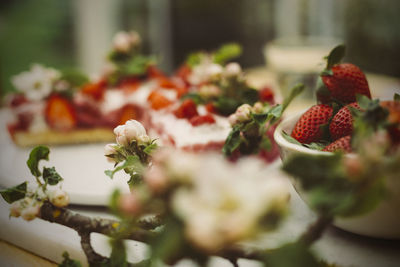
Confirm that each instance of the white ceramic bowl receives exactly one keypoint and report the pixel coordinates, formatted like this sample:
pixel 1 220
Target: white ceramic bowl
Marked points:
pixel 382 222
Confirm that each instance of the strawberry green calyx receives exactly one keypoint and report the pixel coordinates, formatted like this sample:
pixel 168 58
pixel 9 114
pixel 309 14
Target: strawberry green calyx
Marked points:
pixel 334 57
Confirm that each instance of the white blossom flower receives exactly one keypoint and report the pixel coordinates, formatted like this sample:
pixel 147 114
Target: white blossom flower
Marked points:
pixel 15 209
pixel 227 203
pixel 109 149
pixel 232 69
pixel 232 119
pixel 243 112
pixel 125 41
pixel 209 90
pixel 156 178
pixel 258 107
pixel 36 83
pixel 30 209
pixel 130 131
pixel 205 71
pixel 59 198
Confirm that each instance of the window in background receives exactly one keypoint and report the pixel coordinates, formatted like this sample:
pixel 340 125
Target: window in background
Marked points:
pixel 34 31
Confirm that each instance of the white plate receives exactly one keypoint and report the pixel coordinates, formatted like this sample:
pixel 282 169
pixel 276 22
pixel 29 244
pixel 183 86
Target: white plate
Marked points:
pixel 81 166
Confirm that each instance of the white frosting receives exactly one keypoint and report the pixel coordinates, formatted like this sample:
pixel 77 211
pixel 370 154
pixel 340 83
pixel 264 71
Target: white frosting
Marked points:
pixel 115 98
pixel 185 134
pixel 38 124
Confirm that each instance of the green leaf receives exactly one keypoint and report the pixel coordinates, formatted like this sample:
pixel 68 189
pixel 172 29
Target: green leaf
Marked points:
pixel 194 96
pixel 113 202
pixel 367 199
pixel 74 77
pixel 335 56
pixel 68 262
pixel 249 96
pixel 291 255
pixel 118 253
pixel 225 105
pixel 134 179
pixel 194 59
pixel 15 193
pixel 37 154
pixel 131 163
pixel 396 97
pixel 316 146
pixel 51 176
pixel 294 92
pixel 138 65
pixel 227 52
pixel 150 148
pixel 168 244
pixel 290 139
pixel 232 142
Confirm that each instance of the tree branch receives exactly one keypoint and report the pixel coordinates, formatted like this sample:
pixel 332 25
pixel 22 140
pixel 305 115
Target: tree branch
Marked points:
pixel 86 224
pixel 315 231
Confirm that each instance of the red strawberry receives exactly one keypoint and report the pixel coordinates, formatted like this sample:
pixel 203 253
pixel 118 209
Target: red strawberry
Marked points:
pixel 342 80
pixel 308 127
pixel 95 90
pixel 342 144
pixel 266 95
pixel 342 123
pixel 199 120
pixel 130 84
pixel 60 114
pixel 18 100
pixel 158 100
pixel 186 110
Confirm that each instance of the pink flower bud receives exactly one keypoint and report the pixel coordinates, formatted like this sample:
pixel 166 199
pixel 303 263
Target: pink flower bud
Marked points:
pixel 129 204
pixel 59 198
pixel 232 119
pixel 156 179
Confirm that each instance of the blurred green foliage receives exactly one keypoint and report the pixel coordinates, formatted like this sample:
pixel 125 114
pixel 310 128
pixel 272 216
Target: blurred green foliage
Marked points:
pixel 34 31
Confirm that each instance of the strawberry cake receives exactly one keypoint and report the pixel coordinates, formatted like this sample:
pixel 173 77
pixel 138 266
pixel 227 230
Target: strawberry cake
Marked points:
pixel 188 110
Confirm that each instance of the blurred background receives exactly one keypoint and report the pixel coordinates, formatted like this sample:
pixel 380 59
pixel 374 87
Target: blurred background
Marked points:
pixel 78 33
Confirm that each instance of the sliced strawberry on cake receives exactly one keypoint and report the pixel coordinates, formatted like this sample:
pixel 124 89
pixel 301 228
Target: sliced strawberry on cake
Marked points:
pixel 60 114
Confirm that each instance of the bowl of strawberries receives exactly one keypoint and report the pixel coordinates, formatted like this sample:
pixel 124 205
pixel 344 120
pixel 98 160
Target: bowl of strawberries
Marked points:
pixel 362 136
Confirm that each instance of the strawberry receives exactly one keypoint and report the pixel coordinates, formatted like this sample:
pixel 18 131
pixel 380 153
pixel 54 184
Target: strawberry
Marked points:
pixel 342 144
pixel 342 123
pixel 129 84
pixel 59 113
pixel 183 72
pixel 266 95
pixel 158 100
pixel 95 90
pixel 393 107
pixel 341 81
pixel 154 72
pixel 210 108
pixel 186 110
pixel 18 100
pixel 199 120
pixel 128 112
pixel 308 127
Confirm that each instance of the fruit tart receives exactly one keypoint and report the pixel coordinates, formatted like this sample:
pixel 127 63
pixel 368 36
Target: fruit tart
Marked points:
pixel 64 107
